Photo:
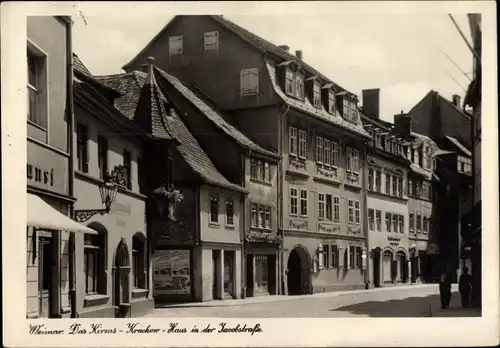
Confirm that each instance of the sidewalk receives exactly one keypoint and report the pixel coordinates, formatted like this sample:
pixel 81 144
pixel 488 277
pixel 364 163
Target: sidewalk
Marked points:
pixel 454 311
pixel 278 298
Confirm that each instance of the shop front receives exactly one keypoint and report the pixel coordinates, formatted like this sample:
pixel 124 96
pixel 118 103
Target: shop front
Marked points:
pixel 261 268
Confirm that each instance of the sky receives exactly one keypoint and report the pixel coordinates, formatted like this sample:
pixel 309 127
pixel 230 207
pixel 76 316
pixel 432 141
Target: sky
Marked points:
pixel 403 55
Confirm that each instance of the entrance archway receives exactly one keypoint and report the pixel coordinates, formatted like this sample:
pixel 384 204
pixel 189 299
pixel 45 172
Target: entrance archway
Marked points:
pixel 388 269
pixel 299 269
pixel 377 260
pixel 121 283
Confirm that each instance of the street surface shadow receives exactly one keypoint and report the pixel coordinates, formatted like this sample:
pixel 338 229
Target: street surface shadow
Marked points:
pixel 411 307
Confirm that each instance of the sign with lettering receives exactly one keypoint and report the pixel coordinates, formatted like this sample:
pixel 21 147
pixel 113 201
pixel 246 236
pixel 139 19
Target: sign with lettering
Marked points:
pixel 394 240
pixel 329 228
pixel 298 225
pixel 46 169
pixel 40 175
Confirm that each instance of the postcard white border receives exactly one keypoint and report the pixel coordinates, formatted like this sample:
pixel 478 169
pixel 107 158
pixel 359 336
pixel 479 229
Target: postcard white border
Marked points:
pixel 277 332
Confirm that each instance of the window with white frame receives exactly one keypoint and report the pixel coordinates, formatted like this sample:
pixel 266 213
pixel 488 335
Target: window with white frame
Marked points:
pixel 214 209
pixel 303 202
pixel 329 207
pixel 294 201
pixel 378 220
pixel 401 224
pixel 37 86
pixel 378 140
pixel 388 222
pixel 371 218
pixel 302 143
pixel 387 183
pixel 410 187
pixel 394 185
pixel 299 86
pixel 331 102
pixel 262 216
pixel 357 212
pixel 267 224
pixel 229 212
pixel 254 218
pixel 354 112
pixel 350 211
pixel 419 223
pixel 425 189
pixel 290 82
pixel 321 206
pixel 260 170
pixel 424 224
pixel 211 41
pixel 319 150
pixel 378 181
pixel 345 108
pixel 370 179
pixel 327 152
pixel 175 45
pixel 387 143
pixel 292 134
pixel 412 222
pixel 395 222
pixel 316 95
pixel 335 154
pixel 336 208
pixel 400 186
pixel 352 159
pixel 249 81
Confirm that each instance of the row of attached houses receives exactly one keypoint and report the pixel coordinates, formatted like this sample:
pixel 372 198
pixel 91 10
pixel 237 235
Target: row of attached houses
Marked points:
pixel 224 167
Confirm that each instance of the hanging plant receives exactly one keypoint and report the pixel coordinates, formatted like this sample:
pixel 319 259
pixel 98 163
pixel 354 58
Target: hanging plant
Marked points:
pixel 169 193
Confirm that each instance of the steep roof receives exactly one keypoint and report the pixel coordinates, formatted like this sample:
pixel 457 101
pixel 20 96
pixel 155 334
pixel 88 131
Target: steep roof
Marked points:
pixel 79 66
pixel 131 85
pixel 217 119
pixel 459 145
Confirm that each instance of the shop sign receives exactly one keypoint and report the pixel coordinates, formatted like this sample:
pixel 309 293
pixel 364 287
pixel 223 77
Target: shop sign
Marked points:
pixel 40 175
pixel 393 240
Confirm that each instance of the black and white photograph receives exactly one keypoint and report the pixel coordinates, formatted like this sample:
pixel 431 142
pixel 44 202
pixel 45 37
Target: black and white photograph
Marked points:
pixel 196 164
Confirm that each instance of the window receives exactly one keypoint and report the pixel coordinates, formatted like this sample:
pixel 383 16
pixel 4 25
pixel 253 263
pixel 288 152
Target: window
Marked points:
pixel 214 209
pixel 401 224
pixel 355 257
pixel 253 216
pixel 370 179
pixel 388 222
pixel 253 169
pixel 249 81
pixel 331 102
pixel 290 83
pixel 139 174
pixel 357 212
pixel 354 112
pixel 359 257
pixel 260 171
pixel 316 95
pixel 139 262
pixel 37 81
pixel 350 110
pixel 127 162
pixel 419 223
pixel 82 139
pixel 378 140
pixel 350 212
pixel 302 143
pixel 394 222
pixel 293 140
pixel 345 108
pixel 321 206
pixel 418 188
pixel 170 171
pixel 262 216
pixel 410 187
pixel 412 222
pixel 267 224
pixel 175 45
pixel 329 207
pixel 400 187
pixel 294 201
pixel 394 186
pixel 334 256
pixel 326 256
pixel 352 256
pixel 303 202
pixel 336 209
pixel 387 144
pixel 45 262
pixel 378 220
pixel 352 159
pixel 319 150
pixel 211 41
pixel 371 218
pixel 425 225
pixel 378 181
pixel 425 190
pixel 327 153
pixel 335 159
pixel 267 172
pixel 94 263
pixel 387 184
pixel 299 86
pixel 230 212
pixel 102 153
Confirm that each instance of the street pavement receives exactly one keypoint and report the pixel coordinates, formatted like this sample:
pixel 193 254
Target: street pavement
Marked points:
pixel 398 301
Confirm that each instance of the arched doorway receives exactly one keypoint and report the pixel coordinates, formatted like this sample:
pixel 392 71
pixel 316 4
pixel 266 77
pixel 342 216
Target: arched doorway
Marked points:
pixel 377 260
pixel 402 266
pixel 121 283
pixel 387 267
pixel 299 269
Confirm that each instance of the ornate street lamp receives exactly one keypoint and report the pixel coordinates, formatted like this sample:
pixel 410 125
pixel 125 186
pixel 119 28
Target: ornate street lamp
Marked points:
pixel 108 190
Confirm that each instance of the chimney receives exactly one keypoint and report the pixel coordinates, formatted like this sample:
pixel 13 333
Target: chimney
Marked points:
pixel 150 80
pixel 285 48
pixel 371 102
pixel 298 53
pixel 402 124
pixel 456 100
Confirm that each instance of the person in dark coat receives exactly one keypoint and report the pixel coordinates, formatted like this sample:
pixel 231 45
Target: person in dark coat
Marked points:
pixel 464 286
pixel 445 290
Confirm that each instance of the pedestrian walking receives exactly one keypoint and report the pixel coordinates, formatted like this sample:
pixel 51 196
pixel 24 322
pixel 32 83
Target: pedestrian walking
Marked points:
pixel 464 286
pixel 445 290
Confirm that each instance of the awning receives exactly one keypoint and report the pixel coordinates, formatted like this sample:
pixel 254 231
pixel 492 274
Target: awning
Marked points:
pixel 42 215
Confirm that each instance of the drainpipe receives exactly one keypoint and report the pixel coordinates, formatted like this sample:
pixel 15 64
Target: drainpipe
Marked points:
pixel 365 218
pixel 281 184
pixel 71 187
pixel 243 227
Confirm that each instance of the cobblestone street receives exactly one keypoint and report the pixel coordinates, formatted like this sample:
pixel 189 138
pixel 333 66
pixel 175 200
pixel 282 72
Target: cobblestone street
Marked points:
pixel 404 301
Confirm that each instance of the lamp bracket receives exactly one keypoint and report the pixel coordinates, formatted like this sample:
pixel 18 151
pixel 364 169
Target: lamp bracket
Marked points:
pixel 84 215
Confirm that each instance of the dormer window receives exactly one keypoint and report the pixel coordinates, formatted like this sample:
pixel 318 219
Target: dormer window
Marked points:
pixel 378 140
pixel 408 153
pixel 316 95
pixel 416 159
pixel 331 102
pixel 350 110
pixel 387 144
pixel 290 82
pixel 299 86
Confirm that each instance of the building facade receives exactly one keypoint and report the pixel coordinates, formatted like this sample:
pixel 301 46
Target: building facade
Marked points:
pixel 387 199
pixel 49 167
pixel 113 271
pixel 293 110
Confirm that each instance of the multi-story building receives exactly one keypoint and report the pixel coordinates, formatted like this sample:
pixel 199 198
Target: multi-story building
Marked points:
pixel 113 273
pixel 49 166
pixel 387 200
pixel 291 109
pixel 472 235
pixel 196 252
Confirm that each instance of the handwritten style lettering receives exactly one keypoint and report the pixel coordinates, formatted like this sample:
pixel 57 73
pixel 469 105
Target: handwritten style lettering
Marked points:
pixel 41 329
pixel 133 328
pixel 239 329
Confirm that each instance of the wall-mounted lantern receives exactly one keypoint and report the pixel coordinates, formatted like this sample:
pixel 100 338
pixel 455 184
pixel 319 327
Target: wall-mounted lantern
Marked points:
pixel 108 190
pixel 167 200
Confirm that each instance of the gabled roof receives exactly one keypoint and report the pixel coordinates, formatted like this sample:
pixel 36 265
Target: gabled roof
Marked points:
pixel 459 146
pixel 212 115
pixel 131 85
pixel 79 66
